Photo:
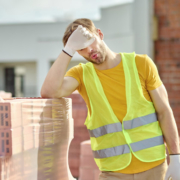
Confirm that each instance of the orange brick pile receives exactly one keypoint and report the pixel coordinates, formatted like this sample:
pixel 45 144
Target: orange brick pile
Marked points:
pixel 88 169
pixel 79 113
pixel 35 134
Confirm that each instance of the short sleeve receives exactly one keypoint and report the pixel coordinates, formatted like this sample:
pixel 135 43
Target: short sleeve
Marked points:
pixel 76 72
pixel 153 80
pixel 148 72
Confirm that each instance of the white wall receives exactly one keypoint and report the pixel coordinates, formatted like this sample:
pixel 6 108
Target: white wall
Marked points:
pixel 143 11
pixel 126 28
pixel 117 27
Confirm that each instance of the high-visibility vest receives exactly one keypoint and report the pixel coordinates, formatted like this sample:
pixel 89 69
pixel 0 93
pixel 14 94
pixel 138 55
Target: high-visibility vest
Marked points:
pixel 112 142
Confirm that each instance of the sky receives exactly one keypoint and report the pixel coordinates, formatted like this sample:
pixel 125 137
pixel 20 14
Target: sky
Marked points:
pixel 27 11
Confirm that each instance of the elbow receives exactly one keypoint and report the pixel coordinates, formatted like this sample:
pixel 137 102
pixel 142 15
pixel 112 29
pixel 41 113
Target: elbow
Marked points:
pixel 45 93
pixel 166 110
pixel 165 113
pixel 49 94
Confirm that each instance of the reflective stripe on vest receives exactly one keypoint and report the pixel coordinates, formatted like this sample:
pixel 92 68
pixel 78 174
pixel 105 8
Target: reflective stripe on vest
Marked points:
pixel 110 128
pixel 109 152
pixel 117 127
pixel 147 143
pixel 123 149
pixel 140 121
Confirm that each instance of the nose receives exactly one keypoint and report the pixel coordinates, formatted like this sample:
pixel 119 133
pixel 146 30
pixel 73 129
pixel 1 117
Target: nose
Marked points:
pixel 89 50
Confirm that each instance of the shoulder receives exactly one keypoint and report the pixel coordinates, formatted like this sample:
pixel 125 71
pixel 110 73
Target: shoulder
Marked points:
pixel 77 68
pixel 144 63
pixel 75 72
pixel 148 71
pixel 141 58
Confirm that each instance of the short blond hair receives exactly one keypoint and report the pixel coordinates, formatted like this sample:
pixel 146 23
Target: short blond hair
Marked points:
pixel 87 23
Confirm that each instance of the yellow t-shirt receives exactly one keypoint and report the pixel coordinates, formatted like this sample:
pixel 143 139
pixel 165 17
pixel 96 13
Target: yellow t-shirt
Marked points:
pixel 113 83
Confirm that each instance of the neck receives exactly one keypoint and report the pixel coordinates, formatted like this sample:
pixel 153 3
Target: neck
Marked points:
pixel 112 59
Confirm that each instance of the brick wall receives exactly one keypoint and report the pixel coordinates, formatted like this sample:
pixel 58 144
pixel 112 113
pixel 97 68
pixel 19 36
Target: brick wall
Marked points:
pixel 79 113
pixel 167 50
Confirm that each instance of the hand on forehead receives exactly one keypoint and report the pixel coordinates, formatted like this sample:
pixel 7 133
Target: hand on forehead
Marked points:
pixel 85 32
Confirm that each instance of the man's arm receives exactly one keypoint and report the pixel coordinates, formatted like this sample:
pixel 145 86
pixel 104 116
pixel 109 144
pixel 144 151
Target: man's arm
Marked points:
pixel 55 84
pixel 166 119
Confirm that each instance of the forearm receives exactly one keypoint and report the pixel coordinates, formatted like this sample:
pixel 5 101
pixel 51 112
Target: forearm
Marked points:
pixel 170 132
pixel 55 76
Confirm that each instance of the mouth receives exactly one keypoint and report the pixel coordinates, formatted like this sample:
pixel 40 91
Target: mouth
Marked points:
pixel 94 56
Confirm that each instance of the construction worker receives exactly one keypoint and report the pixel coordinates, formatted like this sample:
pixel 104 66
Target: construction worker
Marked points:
pixel 129 116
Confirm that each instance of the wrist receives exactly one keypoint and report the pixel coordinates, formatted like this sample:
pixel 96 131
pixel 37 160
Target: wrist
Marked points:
pixel 174 154
pixel 69 51
pixel 174 158
pixel 66 53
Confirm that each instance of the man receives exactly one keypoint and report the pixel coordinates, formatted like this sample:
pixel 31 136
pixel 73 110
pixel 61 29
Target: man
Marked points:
pixel 128 109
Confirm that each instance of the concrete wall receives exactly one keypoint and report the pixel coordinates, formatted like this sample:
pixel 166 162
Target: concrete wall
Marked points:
pixel 143 12
pixel 116 24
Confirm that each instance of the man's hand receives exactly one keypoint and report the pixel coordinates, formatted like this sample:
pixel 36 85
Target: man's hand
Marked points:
pixel 173 171
pixel 79 39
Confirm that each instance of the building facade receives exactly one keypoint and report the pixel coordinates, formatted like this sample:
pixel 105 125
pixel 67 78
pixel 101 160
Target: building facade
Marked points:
pixel 27 51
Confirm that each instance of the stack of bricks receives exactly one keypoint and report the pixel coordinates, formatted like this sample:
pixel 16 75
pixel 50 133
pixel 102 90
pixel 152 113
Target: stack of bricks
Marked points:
pixel 4 94
pixel 35 134
pixel 80 132
pixel 88 169
pixel 167 50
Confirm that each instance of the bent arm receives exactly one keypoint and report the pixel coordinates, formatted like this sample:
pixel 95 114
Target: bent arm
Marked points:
pixel 55 84
pixel 166 118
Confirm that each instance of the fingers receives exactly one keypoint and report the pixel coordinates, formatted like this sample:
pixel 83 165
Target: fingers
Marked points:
pixel 85 32
pixel 79 27
pixel 168 176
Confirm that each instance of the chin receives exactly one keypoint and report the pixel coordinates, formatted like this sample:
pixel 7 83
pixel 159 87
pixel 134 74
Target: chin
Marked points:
pixel 101 62
pixel 94 62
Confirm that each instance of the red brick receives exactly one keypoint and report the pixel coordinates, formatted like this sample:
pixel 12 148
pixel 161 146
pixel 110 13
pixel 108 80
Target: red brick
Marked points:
pixel 74 162
pixel 87 162
pixel 86 148
pixel 79 114
pixel 86 174
pixel 76 99
pixel 96 174
pixel 74 172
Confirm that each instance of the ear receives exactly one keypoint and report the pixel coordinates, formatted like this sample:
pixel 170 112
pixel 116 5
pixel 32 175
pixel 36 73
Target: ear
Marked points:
pixel 101 35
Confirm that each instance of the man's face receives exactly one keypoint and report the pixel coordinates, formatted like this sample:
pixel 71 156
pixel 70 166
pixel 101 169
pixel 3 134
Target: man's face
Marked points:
pixel 96 52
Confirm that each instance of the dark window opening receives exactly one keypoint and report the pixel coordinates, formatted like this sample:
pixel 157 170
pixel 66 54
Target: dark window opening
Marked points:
pixel 2 145
pixel 7 142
